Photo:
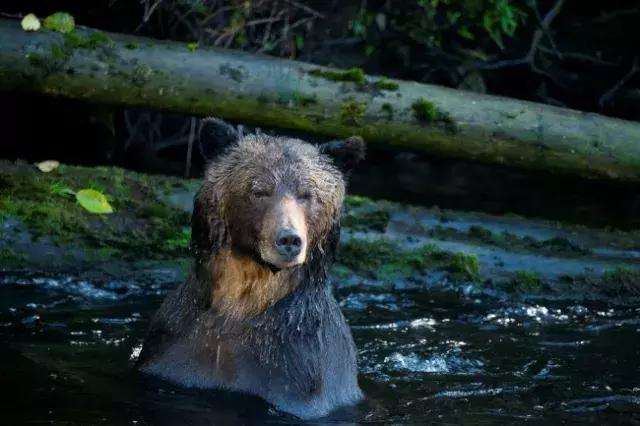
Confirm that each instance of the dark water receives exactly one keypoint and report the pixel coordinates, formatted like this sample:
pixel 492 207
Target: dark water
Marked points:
pixel 67 345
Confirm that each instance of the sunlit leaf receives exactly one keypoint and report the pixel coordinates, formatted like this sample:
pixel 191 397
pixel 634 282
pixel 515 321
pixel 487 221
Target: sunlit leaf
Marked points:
pixel 193 46
pixel 94 201
pixel 61 22
pixel 48 166
pixel 30 23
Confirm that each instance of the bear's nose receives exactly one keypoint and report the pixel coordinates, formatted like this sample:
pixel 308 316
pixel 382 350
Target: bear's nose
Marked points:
pixel 288 243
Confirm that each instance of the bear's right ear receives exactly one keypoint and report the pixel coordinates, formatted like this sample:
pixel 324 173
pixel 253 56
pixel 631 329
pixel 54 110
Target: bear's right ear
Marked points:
pixel 345 153
pixel 216 136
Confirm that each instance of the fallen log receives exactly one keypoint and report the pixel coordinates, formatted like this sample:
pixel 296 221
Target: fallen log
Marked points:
pixel 130 71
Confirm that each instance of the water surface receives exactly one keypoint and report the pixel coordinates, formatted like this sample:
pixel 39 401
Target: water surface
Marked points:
pixel 426 356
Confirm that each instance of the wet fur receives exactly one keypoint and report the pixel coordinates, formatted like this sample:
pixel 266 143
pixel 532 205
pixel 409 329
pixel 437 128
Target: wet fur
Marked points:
pixel 236 323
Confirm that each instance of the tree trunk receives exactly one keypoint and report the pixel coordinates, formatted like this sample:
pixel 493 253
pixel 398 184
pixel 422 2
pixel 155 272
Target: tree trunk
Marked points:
pixel 131 71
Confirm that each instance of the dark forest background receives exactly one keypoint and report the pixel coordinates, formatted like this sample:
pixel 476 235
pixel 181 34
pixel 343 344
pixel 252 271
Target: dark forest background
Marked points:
pixel 576 54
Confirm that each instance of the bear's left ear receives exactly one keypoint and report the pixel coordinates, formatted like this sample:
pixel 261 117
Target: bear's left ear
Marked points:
pixel 345 153
pixel 216 136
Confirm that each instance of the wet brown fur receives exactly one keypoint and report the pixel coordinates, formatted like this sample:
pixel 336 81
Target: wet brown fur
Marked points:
pixel 243 288
pixel 240 323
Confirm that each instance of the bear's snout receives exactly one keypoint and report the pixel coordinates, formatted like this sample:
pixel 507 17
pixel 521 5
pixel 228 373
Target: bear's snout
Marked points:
pixel 288 243
pixel 283 241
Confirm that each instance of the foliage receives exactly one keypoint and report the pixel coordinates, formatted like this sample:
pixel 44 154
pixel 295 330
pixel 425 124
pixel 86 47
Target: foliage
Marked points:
pixel 431 40
pixel 621 281
pixel 193 46
pixel 374 220
pixel 141 222
pixel 526 281
pixel 386 260
pixel 352 112
pixel 386 84
pixel 355 75
pixel 30 22
pixel 93 201
pixel 61 22
pixel 434 23
pixel 425 110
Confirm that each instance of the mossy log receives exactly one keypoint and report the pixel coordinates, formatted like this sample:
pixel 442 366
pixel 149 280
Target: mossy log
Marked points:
pixel 131 71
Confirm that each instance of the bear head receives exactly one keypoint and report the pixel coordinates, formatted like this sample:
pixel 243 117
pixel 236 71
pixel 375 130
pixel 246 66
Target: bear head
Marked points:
pixel 272 199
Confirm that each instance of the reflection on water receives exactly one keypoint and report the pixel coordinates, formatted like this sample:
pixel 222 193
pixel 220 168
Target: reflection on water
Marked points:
pixel 69 344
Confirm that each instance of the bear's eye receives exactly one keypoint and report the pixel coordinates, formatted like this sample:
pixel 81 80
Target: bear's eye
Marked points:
pixel 305 195
pixel 260 193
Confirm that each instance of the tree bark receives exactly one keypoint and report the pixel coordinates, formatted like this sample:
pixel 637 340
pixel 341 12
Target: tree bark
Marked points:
pixel 129 71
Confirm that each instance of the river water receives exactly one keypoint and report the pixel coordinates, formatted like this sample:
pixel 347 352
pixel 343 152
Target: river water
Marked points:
pixel 426 356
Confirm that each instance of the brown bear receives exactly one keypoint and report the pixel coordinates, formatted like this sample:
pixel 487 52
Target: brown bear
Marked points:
pixel 256 314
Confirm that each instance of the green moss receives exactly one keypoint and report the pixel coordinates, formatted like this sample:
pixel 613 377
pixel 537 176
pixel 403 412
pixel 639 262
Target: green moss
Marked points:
pixel 425 111
pixel 37 59
pixel 74 40
pixel 94 40
pixel 509 241
pixel 193 46
pixel 353 201
pixel 60 21
pixel 9 258
pixel 482 234
pixel 464 266
pixel 388 110
pixel 385 260
pixel 375 220
pixel 525 281
pixel 368 256
pixel 341 271
pixel 60 52
pixel 621 281
pixel 621 273
pixel 300 99
pixel 181 241
pixel 560 245
pixel 385 84
pixel 141 75
pixel 352 112
pixel 142 224
pixel 355 75
pixel 131 45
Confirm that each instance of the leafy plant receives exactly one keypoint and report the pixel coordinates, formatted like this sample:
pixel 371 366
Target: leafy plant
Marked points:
pixel 30 23
pixel 61 22
pixel 193 46
pixel 501 17
pixel 94 201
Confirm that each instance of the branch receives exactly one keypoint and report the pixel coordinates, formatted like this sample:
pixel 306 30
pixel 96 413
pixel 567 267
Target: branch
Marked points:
pixel 606 97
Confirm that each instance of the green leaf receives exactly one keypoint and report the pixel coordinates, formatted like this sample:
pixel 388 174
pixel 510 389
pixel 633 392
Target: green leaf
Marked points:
pixel 48 166
pixel 30 23
pixel 464 32
pixel 61 22
pixel 94 201
pixel 61 189
pixel 192 46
